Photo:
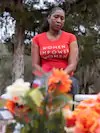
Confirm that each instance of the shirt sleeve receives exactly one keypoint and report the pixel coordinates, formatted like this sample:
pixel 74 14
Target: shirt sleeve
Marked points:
pixel 72 38
pixel 35 40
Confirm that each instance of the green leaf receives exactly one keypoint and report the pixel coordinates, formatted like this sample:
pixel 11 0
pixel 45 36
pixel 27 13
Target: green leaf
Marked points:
pixel 28 101
pixel 23 130
pixel 60 99
pixel 2 102
pixel 10 128
pixel 36 96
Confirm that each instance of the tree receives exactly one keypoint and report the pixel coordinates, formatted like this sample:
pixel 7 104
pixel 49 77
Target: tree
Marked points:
pixel 78 13
pixel 26 19
pixel 85 13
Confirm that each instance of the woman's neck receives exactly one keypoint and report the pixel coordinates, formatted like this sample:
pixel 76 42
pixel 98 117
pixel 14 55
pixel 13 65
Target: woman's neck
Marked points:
pixel 54 33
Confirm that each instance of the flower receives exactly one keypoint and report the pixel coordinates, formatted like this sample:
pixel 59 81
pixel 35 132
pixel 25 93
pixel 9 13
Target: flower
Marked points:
pixel 98 97
pixel 66 111
pixel 88 104
pixel 17 89
pixel 94 104
pixel 88 121
pixel 37 83
pixel 10 105
pixel 70 117
pixel 59 80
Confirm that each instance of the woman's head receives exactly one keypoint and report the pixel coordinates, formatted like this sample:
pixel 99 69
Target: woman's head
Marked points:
pixel 55 20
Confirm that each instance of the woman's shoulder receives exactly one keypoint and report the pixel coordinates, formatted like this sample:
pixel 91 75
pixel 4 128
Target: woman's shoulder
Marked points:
pixel 68 33
pixel 39 35
pixel 37 38
pixel 71 37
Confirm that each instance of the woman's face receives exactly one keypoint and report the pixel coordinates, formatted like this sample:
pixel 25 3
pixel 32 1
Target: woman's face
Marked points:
pixel 56 20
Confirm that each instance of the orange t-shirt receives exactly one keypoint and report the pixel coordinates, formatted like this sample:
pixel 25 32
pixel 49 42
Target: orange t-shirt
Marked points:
pixel 54 54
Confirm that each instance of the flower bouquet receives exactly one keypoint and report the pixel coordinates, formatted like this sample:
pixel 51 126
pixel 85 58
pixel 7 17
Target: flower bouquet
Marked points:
pixel 85 118
pixel 46 107
pixel 41 109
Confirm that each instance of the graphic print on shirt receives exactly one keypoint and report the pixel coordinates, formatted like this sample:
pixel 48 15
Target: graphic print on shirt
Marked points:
pixel 54 51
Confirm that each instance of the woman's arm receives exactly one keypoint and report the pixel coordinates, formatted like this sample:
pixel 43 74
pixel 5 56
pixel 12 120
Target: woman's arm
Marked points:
pixel 73 58
pixel 36 59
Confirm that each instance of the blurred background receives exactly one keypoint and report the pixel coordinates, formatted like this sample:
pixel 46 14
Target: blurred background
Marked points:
pixel 20 20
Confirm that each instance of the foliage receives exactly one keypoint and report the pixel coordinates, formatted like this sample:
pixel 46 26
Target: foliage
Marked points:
pixel 82 19
pixel 78 12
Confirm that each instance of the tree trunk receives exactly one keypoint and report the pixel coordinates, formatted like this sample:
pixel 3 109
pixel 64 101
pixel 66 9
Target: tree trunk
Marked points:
pixel 18 53
pixel 18 49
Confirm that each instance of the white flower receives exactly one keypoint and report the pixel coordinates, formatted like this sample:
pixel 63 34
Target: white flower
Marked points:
pixel 18 89
pixel 66 113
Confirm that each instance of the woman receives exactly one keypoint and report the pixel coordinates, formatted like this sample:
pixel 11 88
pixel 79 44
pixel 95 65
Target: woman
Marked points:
pixel 55 48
